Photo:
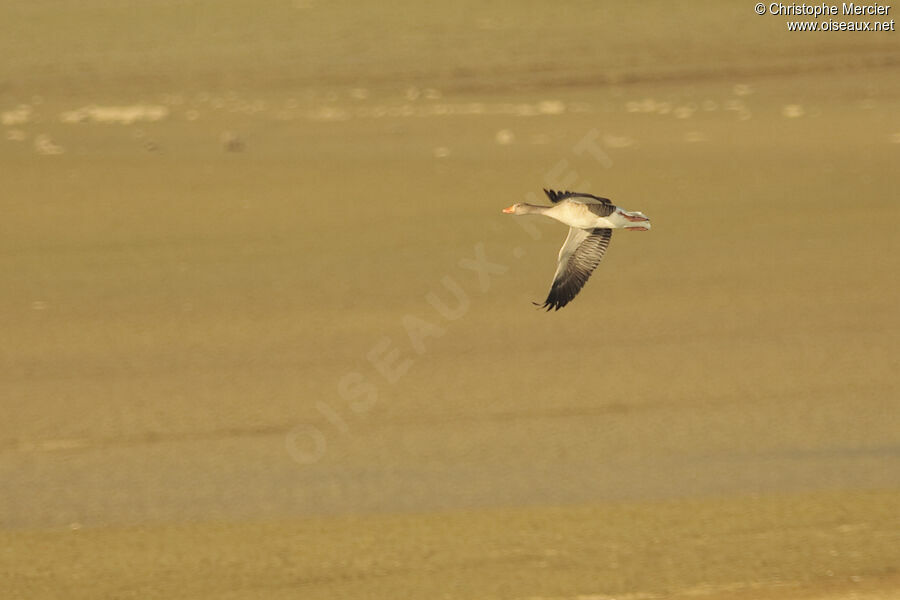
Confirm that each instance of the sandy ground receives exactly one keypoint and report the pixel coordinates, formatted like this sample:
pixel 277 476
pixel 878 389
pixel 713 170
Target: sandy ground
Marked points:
pixel 823 545
pixel 268 334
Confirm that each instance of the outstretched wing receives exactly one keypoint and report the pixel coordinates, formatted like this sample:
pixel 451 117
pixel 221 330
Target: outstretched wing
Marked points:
pixel 581 253
pixel 577 196
pixel 602 207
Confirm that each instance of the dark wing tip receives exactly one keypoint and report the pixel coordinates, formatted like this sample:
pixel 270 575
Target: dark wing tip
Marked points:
pixel 554 301
pixel 549 305
pixel 555 196
pixel 580 267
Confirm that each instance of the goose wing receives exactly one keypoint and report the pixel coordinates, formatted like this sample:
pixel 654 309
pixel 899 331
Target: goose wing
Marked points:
pixel 579 256
pixel 602 207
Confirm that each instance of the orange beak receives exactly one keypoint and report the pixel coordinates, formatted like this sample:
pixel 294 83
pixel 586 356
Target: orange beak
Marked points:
pixel 510 209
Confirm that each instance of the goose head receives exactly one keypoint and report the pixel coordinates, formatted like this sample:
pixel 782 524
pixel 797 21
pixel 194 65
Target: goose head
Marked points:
pixel 516 209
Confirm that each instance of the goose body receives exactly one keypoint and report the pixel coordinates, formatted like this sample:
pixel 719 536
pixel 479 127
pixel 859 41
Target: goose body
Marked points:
pixel 591 220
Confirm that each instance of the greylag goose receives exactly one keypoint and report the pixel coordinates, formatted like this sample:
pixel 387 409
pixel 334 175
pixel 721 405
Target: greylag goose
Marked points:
pixel 591 220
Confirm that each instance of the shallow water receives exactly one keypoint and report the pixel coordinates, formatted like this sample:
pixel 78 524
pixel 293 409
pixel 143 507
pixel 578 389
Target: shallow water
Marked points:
pixel 211 251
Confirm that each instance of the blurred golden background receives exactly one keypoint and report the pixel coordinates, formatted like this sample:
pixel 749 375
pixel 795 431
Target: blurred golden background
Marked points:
pixel 267 333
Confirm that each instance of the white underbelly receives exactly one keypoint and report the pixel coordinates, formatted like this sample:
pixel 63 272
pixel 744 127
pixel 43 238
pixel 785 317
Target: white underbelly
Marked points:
pixel 580 216
pixel 576 215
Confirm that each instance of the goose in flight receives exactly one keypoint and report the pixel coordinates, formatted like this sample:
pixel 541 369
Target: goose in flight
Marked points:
pixel 591 220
